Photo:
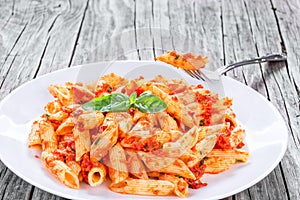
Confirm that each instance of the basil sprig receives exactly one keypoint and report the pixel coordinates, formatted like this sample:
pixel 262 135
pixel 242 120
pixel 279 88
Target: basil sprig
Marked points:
pixel 118 102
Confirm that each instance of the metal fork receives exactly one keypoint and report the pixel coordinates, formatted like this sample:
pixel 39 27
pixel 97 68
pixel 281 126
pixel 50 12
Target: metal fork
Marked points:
pixel 206 75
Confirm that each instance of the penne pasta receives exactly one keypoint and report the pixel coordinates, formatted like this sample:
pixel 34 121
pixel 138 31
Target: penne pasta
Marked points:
pixel 166 122
pixel 144 187
pixel 152 137
pixel 104 142
pixel 58 117
pixel 97 175
pixel 62 93
pixel 135 165
pixel 53 107
pixel 179 147
pixel 118 171
pixel 47 134
pixel 76 168
pixel 219 160
pixel 178 167
pixel 64 173
pixel 180 185
pixel 34 135
pixel 90 120
pixel 125 122
pixel 66 127
pixel 82 142
pixel 200 150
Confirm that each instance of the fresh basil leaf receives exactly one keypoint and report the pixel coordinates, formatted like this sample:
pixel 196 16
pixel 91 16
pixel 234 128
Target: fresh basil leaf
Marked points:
pixel 97 103
pixel 115 102
pixel 119 102
pixel 149 103
pixel 132 98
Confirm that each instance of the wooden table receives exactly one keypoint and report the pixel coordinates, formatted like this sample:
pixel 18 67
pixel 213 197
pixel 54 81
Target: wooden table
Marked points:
pixel 38 37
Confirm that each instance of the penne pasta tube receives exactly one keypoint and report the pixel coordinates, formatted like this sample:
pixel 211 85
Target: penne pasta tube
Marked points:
pixel 66 127
pixel 180 185
pixel 202 148
pixel 62 93
pixel 104 142
pixel 97 175
pixel 165 164
pixel 74 166
pixel 178 167
pixel 34 135
pixel 217 165
pixel 64 174
pixel 59 117
pixel 53 107
pixel 230 119
pixel 81 94
pixel 118 171
pixel 166 122
pixel 237 154
pixel 47 134
pixel 219 160
pixel 82 142
pixel 174 107
pixel 125 122
pixel 205 131
pixel 138 115
pixel 181 146
pixel 144 187
pixel 90 120
pixel 46 158
pixel 155 162
pixel 135 165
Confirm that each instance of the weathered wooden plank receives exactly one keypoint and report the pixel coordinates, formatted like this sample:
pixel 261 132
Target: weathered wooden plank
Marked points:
pixel 41 35
pixel 144 30
pixel 13 187
pixel 239 44
pixel 42 195
pixel 200 24
pixel 160 27
pixel 287 16
pixel 32 43
pixel 282 93
pixel 266 39
pixel 107 33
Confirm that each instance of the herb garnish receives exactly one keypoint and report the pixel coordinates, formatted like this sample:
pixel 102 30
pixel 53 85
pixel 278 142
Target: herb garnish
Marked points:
pixel 118 102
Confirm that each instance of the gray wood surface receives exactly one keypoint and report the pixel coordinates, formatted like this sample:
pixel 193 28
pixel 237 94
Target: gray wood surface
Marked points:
pixel 38 37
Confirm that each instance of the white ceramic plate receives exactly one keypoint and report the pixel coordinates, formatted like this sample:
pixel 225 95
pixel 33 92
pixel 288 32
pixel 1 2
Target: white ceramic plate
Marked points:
pixel 266 138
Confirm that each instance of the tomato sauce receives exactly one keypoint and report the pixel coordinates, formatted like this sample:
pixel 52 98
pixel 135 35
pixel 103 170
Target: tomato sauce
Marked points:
pixel 147 145
pixel 103 88
pixel 198 171
pixel 65 151
pixel 206 102
pixel 86 166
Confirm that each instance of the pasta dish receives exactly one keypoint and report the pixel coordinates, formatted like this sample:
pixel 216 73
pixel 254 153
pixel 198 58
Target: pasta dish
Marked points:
pixel 147 137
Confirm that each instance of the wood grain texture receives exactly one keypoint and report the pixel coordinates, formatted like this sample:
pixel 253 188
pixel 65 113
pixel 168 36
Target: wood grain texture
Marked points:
pixel 32 44
pixel 107 33
pixel 260 35
pixel 38 37
pixel 287 16
pixel 37 45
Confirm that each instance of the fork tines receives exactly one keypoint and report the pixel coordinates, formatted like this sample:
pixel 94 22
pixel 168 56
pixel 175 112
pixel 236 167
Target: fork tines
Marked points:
pixel 195 74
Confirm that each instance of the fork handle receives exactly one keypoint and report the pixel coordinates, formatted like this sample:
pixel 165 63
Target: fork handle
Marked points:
pixel 267 58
